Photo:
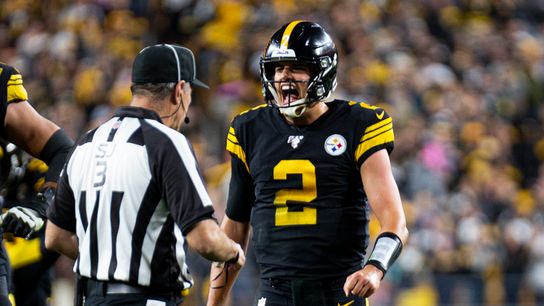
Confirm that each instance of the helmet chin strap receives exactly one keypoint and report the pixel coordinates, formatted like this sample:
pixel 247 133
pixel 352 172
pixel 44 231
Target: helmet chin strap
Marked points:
pixel 293 111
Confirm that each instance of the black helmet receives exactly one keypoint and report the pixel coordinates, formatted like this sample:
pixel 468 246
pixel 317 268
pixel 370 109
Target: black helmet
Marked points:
pixel 306 43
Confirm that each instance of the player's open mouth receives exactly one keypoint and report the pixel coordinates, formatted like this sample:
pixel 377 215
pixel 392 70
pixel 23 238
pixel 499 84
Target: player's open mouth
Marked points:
pixel 289 93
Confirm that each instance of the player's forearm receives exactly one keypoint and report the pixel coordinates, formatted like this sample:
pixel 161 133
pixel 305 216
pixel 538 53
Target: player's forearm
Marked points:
pixel 221 281
pixel 396 226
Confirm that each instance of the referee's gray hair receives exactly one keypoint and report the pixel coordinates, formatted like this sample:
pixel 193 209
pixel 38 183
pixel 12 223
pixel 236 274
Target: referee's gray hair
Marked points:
pixel 157 92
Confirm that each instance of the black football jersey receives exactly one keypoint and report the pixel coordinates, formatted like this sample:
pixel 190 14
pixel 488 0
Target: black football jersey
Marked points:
pixel 11 90
pixel 301 187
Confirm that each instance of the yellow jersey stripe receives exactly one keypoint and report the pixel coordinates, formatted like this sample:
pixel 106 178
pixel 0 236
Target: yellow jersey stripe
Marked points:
pixel 287 33
pixel 15 77
pixel 16 92
pixel 378 125
pixel 380 139
pixel 233 146
pixel 15 89
pixel 254 108
pixel 232 139
pixel 377 131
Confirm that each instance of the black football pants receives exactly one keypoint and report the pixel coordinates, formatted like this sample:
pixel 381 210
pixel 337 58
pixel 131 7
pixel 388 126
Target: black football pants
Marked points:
pixel 275 292
pixel 4 274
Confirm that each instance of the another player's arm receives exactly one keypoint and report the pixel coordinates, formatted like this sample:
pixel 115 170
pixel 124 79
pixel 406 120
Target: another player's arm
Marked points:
pixel 222 277
pixel 38 136
pixel 236 221
pixel 43 139
pixel 26 128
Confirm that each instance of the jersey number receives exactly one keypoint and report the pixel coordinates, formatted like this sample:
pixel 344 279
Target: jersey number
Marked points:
pixel 308 193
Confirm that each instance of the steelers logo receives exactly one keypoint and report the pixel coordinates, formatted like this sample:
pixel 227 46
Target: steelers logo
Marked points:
pixel 335 145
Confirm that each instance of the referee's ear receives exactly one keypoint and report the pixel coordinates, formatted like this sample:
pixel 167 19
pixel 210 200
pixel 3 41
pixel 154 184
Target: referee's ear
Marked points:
pixel 178 90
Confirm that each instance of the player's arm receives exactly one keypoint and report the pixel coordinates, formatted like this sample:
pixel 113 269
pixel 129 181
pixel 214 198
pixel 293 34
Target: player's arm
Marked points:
pixel 235 223
pixel 60 240
pixel 384 198
pixel 26 128
pixel 38 136
pixel 222 277
pixel 43 139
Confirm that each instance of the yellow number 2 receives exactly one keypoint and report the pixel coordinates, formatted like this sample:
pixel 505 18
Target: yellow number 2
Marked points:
pixel 308 193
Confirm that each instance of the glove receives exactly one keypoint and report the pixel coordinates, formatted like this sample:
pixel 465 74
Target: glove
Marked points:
pixel 22 221
pixel 28 218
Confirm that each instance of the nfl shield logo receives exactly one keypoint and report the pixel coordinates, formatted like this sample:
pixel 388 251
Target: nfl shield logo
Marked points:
pixel 295 140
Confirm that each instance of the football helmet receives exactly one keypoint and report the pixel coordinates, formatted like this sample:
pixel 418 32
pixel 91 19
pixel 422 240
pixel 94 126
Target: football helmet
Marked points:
pixel 305 43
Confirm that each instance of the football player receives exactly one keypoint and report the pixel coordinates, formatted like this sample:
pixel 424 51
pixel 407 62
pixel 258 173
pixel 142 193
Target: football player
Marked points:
pixel 21 125
pixel 31 264
pixel 306 170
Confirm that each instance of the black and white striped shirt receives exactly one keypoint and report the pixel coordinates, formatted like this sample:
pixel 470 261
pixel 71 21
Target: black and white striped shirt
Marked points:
pixel 130 191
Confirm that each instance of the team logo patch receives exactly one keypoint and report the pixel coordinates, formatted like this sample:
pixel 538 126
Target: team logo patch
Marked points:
pixel 335 145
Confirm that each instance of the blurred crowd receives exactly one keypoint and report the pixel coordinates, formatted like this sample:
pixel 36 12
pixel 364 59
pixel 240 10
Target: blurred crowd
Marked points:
pixel 462 79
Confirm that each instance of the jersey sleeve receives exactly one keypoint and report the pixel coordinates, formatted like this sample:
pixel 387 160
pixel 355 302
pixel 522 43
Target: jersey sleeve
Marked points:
pixel 241 189
pixel 12 85
pixel 182 185
pixel 377 132
pixel 11 91
pixel 62 211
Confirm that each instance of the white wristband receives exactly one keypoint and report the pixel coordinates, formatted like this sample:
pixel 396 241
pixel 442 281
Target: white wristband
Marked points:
pixel 386 250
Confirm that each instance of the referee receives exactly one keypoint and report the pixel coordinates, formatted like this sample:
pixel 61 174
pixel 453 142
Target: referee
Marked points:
pixel 131 194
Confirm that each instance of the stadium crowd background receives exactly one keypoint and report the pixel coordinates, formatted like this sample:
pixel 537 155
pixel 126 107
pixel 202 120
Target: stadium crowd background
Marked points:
pixel 463 80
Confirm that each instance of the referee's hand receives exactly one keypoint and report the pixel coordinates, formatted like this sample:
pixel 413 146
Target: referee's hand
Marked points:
pixel 21 221
pixel 238 261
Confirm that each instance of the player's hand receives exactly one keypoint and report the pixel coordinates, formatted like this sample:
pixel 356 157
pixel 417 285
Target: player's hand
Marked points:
pixel 22 221
pixel 364 282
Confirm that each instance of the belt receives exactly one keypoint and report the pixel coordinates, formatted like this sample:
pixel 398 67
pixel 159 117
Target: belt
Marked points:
pixel 120 288
pixel 327 282
pixel 97 287
pixel 102 288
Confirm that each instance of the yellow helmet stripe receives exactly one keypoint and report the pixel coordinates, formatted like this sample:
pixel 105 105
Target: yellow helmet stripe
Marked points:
pixel 287 34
